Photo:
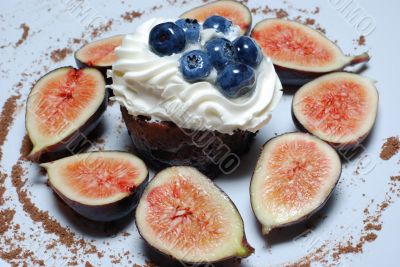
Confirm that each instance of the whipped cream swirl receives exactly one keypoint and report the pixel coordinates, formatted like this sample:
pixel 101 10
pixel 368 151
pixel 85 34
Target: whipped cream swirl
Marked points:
pixel 150 85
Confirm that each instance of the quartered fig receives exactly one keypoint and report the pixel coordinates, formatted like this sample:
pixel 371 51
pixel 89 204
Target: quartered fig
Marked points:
pixel 236 12
pixel 63 107
pixel 339 108
pixel 300 53
pixel 183 214
pixel 101 186
pixel 294 177
pixel 99 54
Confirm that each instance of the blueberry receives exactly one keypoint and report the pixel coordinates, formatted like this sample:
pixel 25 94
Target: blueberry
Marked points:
pixel 221 52
pixel 220 24
pixel 166 39
pixel 236 80
pixel 195 65
pixel 248 51
pixel 191 28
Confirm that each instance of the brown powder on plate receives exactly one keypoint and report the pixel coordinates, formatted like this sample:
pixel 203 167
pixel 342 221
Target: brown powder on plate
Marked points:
pixel 280 14
pixel 60 54
pixel 101 29
pixel 7 118
pixel 88 264
pixel 131 16
pixel 390 148
pixel 50 225
pixel 26 147
pixel 25 34
pixel 310 21
pixel 3 177
pixel 395 178
pixel 361 41
pixel 6 217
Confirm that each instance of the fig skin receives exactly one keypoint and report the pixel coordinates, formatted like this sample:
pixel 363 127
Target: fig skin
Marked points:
pixel 60 149
pixel 266 231
pixel 244 8
pixel 248 249
pixel 292 77
pixel 105 213
pixel 340 147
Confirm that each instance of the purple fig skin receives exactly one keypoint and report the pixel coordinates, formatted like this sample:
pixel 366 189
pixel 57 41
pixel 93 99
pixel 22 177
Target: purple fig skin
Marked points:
pixel 61 149
pixel 305 217
pixel 109 212
pixel 249 248
pixel 244 8
pixel 102 69
pixel 292 77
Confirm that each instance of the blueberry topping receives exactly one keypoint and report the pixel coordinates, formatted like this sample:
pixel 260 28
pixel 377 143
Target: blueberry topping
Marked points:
pixel 221 52
pixel 236 80
pixel 248 51
pixel 220 24
pixel 166 39
pixel 191 28
pixel 195 65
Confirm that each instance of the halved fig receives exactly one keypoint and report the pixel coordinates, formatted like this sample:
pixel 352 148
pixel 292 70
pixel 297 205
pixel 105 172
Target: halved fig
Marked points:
pixel 294 177
pixel 238 13
pixel 62 108
pixel 99 54
pixel 339 108
pixel 183 214
pixel 300 53
pixel 101 186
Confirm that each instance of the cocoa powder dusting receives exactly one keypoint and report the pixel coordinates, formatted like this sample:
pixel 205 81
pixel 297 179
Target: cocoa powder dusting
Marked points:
pixel 60 54
pixel 50 225
pixel 25 33
pixel 361 41
pixel 6 217
pixel 3 177
pixel 6 119
pixel 26 147
pixel 131 16
pixel 390 148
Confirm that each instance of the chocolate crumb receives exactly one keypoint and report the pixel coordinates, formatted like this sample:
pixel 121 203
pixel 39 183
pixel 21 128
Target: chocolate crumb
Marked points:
pixel 60 54
pixel 131 16
pixel 361 41
pixel 6 217
pixel 25 34
pixel 390 148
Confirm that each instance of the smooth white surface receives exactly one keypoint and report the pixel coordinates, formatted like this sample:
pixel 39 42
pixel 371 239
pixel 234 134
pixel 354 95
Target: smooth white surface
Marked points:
pixel 346 205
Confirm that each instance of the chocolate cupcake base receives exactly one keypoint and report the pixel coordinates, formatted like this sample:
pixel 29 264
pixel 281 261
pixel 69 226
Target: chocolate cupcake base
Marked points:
pixel 164 144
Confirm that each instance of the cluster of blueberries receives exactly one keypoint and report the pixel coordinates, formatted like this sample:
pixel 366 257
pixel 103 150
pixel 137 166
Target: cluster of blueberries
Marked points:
pixel 234 61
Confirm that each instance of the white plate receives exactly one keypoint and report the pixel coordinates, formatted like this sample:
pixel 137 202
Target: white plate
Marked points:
pixel 53 23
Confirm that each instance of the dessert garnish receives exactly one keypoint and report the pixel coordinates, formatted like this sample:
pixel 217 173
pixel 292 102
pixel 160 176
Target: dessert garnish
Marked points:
pixel 183 214
pixel 339 108
pixel 167 38
pixel 191 28
pixel 236 79
pixel 221 52
pixel 248 51
pixel 101 186
pixel 195 65
pixel 64 105
pixel 293 179
pixel 218 23
pixel 99 54
pixel 300 53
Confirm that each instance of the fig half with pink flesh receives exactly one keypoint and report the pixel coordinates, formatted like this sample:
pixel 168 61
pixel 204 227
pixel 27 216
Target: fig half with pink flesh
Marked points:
pixel 294 177
pixel 101 186
pixel 234 11
pixel 300 53
pixel 339 108
pixel 183 214
pixel 63 107
pixel 99 54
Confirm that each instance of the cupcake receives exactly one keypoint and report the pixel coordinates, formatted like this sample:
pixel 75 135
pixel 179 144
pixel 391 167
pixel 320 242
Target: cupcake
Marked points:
pixel 193 94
